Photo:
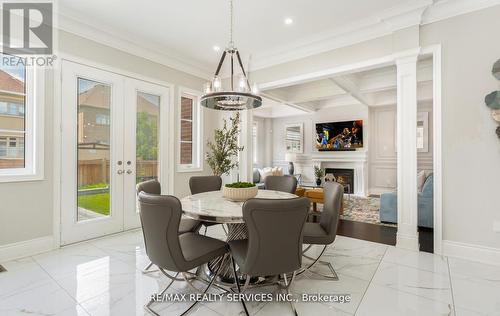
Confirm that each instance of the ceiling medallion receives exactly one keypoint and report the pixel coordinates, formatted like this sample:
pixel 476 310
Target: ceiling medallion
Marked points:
pixel 244 96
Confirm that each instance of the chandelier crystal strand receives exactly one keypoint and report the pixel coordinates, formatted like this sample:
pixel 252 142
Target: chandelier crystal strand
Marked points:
pixel 245 96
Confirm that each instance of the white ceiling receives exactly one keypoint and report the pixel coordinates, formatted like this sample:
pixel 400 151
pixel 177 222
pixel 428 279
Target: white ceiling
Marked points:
pixel 186 31
pixel 181 33
pixel 376 87
pixel 192 27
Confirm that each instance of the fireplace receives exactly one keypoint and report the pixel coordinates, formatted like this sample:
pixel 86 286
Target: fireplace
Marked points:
pixel 343 176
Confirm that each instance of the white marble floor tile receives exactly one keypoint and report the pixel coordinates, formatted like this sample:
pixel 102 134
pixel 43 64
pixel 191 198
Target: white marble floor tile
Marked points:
pixel 420 260
pixel 67 260
pixel 474 270
pixel 357 247
pixel 346 285
pixel 102 277
pixel 21 275
pixel 179 307
pixel 431 285
pixel 476 295
pixel 77 310
pixel 228 307
pixel 383 301
pixel 99 277
pixel 127 247
pixel 476 286
pixel 358 267
pixel 285 309
pixel 45 298
pixel 465 312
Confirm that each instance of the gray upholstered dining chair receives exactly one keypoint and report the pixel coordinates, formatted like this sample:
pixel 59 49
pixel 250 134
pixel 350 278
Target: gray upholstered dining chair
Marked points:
pixel 186 224
pixel 324 232
pixel 274 244
pixel 281 183
pixel 160 218
pixel 201 184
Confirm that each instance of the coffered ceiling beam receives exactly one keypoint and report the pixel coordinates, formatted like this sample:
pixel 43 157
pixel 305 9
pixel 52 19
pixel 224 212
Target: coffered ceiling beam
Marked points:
pixel 351 88
pixel 303 107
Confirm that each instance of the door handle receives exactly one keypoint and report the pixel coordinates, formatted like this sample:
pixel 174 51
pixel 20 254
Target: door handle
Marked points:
pixel 120 172
pixel 129 171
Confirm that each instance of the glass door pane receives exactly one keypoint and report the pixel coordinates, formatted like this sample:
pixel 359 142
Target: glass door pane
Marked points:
pixel 145 142
pixel 147 136
pixel 93 149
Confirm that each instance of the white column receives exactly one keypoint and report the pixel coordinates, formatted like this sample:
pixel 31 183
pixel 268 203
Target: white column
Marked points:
pixel 407 235
pixel 246 156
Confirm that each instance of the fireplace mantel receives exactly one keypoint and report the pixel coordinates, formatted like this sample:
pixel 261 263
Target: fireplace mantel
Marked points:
pixel 340 156
pixel 356 160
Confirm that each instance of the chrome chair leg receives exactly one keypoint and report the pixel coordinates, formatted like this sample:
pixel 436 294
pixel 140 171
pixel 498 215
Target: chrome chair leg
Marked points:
pixel 174 278
pixel 152 300
pixel 333 276
pixel 287 288
pixel 238 285
pixel 146 268
pixel 247 282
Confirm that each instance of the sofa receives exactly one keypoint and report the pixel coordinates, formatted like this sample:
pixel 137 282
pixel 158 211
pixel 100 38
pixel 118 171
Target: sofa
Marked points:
pixel 389 205
pixel 256 178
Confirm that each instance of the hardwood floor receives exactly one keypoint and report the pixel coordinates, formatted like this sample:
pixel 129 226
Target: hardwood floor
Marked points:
pixel 382 234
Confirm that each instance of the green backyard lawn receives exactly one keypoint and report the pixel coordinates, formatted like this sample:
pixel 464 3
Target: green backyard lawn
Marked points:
pixel 98 203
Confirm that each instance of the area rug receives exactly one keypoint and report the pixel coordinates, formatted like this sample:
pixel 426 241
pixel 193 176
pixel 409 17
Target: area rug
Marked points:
pixel 363 209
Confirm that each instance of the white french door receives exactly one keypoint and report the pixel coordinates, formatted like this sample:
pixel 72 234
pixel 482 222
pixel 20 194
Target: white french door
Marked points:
pixel 114 131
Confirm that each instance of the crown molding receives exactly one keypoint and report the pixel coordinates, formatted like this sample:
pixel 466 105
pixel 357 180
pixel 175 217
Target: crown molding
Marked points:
pixel 104 34
pixel 408 13
pixel 383 23
pixel 445 9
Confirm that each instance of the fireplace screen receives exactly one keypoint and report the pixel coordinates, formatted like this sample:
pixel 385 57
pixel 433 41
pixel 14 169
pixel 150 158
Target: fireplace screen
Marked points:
pixel 344 177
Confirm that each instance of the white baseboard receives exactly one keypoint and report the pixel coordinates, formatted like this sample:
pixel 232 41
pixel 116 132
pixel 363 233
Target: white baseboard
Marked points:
pixel 26 248
pixel 407 242
pixel 472 252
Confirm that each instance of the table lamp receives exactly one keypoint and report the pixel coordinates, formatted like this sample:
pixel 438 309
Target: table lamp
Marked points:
pixel 290 157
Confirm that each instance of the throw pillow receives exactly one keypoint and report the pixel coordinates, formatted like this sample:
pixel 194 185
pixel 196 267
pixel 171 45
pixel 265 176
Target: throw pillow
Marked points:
pixel 421 176
pixel 268 171
pixel 277 171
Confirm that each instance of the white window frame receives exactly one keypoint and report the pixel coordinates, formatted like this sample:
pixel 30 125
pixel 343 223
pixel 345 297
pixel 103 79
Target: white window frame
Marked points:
pixel 34 133
pixel 197 125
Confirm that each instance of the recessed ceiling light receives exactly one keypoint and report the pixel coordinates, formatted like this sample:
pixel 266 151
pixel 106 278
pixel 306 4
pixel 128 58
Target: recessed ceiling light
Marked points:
pixel 216 48
pixel 288 21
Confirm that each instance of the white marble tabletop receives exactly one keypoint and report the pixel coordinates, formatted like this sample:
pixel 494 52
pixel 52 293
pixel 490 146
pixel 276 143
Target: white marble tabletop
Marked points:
pixel 213 207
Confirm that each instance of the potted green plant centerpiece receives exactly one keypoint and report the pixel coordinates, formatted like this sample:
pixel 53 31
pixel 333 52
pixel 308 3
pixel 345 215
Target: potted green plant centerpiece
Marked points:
pixel 223 151
pixel 318 173
pixel 239 191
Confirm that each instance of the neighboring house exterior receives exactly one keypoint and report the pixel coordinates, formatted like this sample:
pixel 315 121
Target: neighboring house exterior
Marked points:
pixel 94 132
pixel 11 121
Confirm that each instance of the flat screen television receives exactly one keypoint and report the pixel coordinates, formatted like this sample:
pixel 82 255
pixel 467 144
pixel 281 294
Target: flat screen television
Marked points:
pixel 347 135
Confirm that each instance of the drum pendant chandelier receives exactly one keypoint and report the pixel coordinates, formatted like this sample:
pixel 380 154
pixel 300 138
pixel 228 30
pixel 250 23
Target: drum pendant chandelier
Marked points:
pixel 244 96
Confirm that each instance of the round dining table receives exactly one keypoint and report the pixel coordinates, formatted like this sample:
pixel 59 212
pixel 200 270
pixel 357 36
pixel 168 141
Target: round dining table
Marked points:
pixel 214 207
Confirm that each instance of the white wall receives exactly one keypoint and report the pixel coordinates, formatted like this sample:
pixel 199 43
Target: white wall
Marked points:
pixel 264 142
pixel 304 164
pixel 471 150
pixel 26 208
pixel 382 157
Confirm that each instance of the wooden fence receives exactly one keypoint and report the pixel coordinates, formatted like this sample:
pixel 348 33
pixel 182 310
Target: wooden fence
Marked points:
pixel 97 171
